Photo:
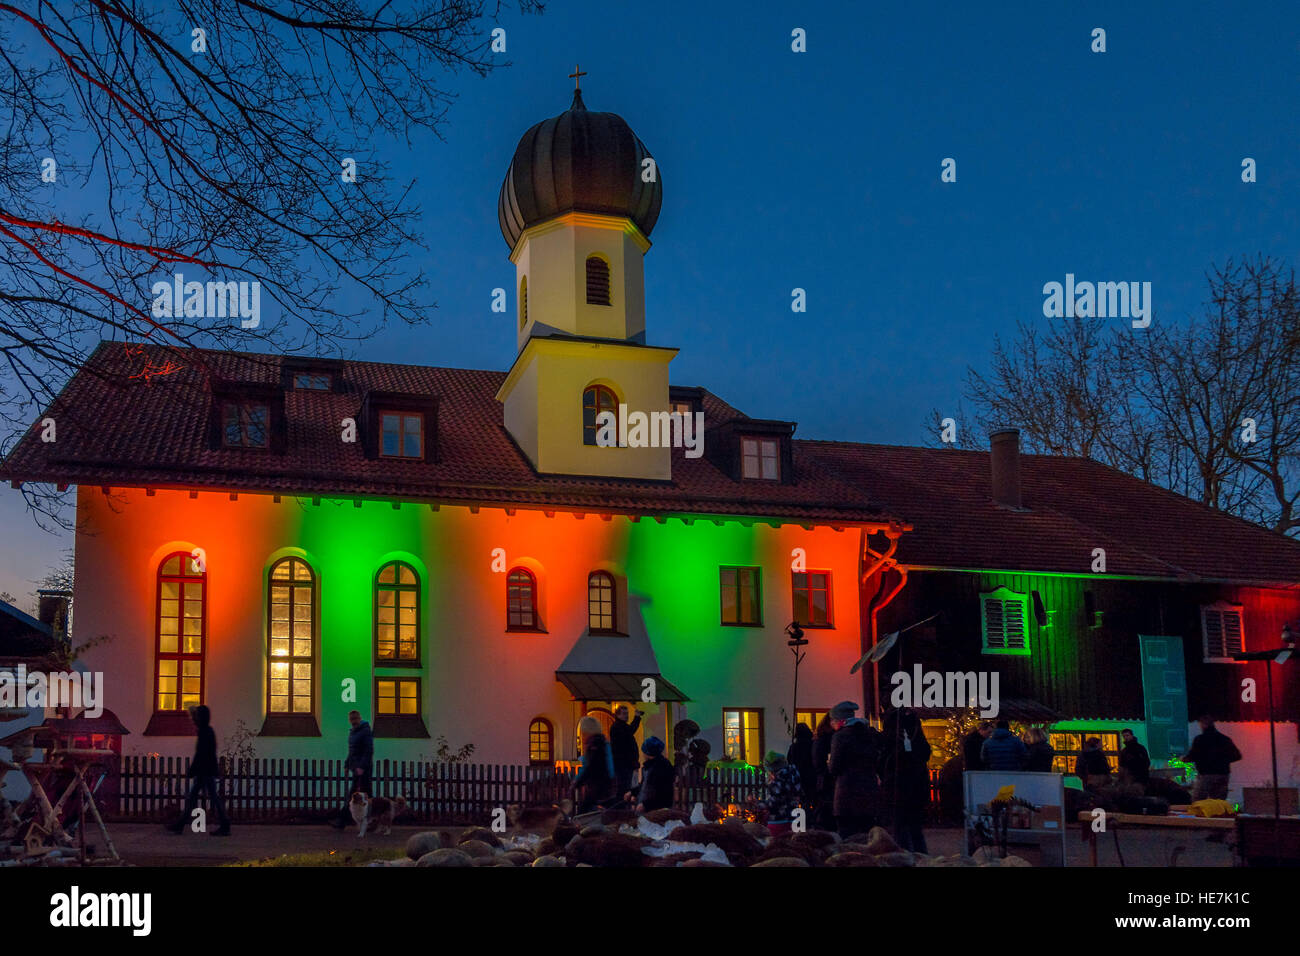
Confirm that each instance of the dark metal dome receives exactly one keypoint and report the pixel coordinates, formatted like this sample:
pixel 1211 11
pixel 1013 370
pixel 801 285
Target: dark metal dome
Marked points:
pixel 577 161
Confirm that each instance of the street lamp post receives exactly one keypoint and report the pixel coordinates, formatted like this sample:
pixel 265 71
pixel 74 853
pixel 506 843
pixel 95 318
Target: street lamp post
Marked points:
pixel 796 643
pixel 1271 656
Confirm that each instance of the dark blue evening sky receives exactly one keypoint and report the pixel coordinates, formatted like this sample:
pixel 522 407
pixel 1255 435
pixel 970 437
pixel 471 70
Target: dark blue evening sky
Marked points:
pixel 820 170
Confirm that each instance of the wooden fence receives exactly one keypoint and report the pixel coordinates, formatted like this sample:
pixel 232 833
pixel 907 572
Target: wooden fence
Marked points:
pixel 279 790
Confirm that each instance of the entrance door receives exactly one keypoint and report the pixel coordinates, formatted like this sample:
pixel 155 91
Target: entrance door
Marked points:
pixel 1164 689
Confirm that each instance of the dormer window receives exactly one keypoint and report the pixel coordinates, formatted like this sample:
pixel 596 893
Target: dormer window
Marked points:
pixel 313 381
pixel 682 408
pixel 402 435
pixel 597 281
pixel 245 425
pixel 760 458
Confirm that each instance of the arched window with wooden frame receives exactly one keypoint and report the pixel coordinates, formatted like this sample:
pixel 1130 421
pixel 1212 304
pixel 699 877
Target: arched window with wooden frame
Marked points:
pixel 180 650
pixel 397 615
pixel 602 610
pixel 291 639
pixel 523 302
pixel 597 399
pixel 597 280
pixel 541 742
pixel 521 601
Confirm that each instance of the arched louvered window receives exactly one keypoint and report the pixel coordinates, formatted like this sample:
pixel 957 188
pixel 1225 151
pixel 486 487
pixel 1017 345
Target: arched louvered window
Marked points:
pixel 521 600
pixel 290 649
pixel 541 742
pixel 601 612
pixel 523 302
pixel 397 614
pixel 597 281
pixel 182 632
pixel 597 399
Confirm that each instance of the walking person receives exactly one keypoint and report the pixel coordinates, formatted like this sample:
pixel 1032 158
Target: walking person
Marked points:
pixel 905 777
pixel 1003 750
pixel 204 771
pixel 1039 752
pixel 824 783
pixel 853 763
pixel 655 791
pixel 1213 753
pixel 358 766
pixel 596 778
pixel 622 743
pixel 1134 761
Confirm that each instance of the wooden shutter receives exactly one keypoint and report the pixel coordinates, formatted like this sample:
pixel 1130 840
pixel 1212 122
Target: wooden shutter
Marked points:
pixel 1222 631
pixel 1004 623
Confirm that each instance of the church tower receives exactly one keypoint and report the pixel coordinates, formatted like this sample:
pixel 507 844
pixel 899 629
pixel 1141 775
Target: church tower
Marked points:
pixel 577 206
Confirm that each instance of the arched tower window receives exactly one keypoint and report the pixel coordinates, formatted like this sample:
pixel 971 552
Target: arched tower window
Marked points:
pixel 597 281
pixel 290 649
pixel 523 302
pixel 181 638
pixel 597 399
pixel 521 600
pixel 541 742
pixel 601 611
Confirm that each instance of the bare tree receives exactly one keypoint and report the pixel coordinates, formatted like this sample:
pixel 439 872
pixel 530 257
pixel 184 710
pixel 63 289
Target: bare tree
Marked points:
pixel 1209 408
pixel 216 139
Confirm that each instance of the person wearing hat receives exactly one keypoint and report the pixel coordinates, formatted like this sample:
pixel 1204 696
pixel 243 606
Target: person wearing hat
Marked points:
pixel 855 753
pixel 596 778
pixel 783 792
pixel 655 792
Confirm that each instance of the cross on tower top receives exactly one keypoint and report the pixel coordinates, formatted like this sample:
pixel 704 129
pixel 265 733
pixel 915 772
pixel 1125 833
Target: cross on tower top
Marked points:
pixel 576 76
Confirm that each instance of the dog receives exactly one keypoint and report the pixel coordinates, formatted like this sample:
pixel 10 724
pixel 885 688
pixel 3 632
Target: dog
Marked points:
pixel 375 812
pixel 541 820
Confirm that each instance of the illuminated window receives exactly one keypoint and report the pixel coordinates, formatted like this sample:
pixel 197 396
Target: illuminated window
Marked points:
pixel 600 602
pixel 1069 745
pixel 397 614
pixel 742 735
pixel 597 399
pixel 402 435
pixel 181 645
pixel 681 408
pixel 759 458
pixel 245 425
pixel 1002 614
pixel 812 717
pixel 523 302
pixel 597 281
pixel 541 742
pixel 741 596
pixel 812 598
pixel 1221 631
pixel 397 696
pixel 291 628
pixel 521 600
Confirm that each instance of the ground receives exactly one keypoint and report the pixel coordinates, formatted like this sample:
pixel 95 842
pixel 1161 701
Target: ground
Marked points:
pixel 150 845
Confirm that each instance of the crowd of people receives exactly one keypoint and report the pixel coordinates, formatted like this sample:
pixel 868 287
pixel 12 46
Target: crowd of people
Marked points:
pixel 846 775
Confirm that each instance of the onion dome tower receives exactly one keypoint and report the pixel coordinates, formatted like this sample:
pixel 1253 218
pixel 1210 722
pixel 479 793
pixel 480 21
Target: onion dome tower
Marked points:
pixel 580 198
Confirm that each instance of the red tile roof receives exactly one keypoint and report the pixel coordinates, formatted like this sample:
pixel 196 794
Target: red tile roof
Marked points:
pixel 113 430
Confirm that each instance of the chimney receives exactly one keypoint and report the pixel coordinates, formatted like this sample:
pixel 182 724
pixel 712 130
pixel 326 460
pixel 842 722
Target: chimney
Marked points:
pixel 53 610
pixel 1004 453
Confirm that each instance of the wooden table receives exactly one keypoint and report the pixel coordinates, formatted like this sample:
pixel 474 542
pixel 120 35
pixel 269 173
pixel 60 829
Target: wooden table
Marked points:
pixel 1173 820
